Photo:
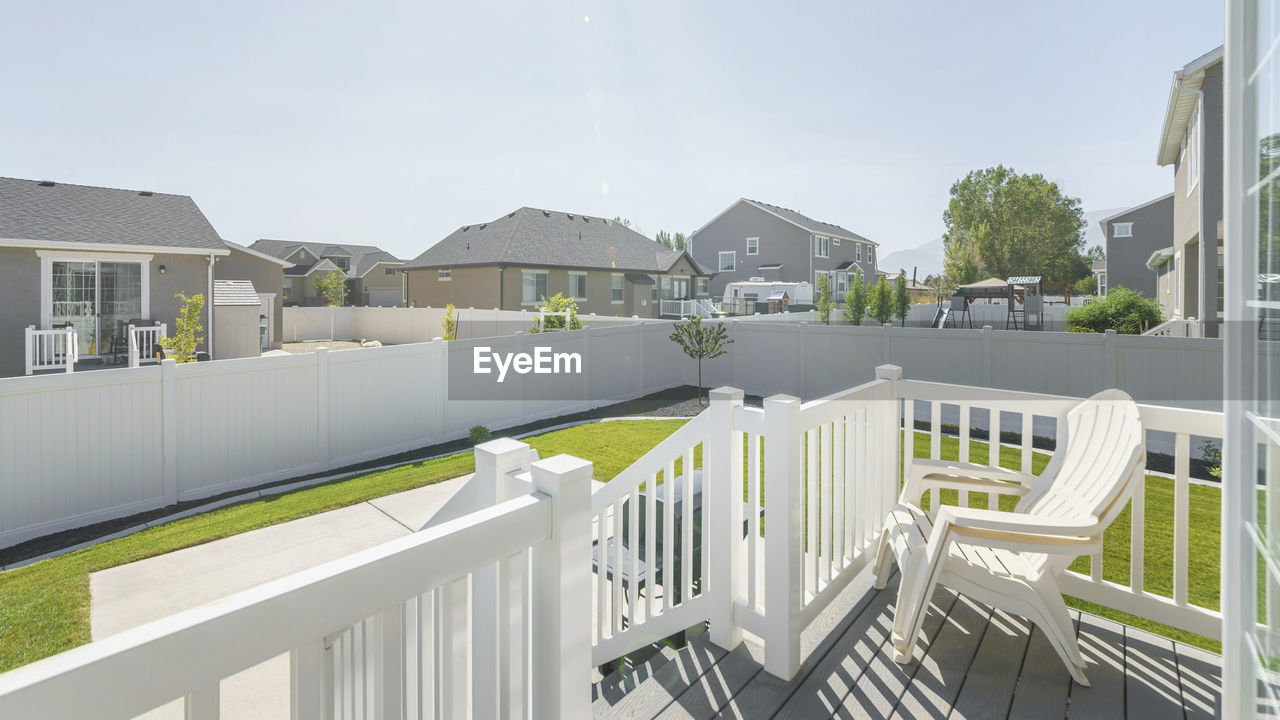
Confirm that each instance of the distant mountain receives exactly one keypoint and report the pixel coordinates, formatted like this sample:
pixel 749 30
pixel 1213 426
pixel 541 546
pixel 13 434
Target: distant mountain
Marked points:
pixel 925 258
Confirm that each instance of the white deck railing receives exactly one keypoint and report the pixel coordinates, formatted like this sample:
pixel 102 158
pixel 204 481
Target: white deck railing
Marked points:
pixel 438 641
pixel 143 341
pixel 700 307
pixel 1177 327
pixel 51 349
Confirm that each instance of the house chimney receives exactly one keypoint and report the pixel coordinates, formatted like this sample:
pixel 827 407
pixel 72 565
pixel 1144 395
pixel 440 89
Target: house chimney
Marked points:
pixel 913 273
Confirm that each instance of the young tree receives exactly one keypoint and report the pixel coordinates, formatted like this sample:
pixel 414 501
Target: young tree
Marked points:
pixel 901 298
pixel 1086 286
pixel 557 303
pixel 825 304
pixel 182 344
pixel 332 286
pixel 450 323
pixel 881 301
pixel 701 341
pixel 1123 310
pixel 855 301
pixel 1000 223
pixel 941 285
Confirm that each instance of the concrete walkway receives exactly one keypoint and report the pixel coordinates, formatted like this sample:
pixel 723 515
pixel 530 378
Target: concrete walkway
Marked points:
pixel 130 595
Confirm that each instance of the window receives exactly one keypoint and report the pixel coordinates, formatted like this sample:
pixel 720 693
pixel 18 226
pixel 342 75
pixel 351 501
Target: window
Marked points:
pixel 821 246
pixel 1122 230
pixel 533 286
pixel 1102 284
pixel 665 284
pixel 653 291
pixel 728 261
pixel 1191 151
pixel 858 253
pixel 870 259
pixel 753 246
pixel 578 286
pixel 288 288
pixel 842 282
pixel 389 271
pixel 835 241
pixel 702 286
pixel 443 275
pixel 617 287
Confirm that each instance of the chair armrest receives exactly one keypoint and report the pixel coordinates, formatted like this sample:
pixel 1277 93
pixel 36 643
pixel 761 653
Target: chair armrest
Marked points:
pixel 1016 531
pixel 943 474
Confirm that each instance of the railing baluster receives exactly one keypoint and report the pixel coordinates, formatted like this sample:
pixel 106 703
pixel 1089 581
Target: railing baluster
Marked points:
pixel 862 492
pixel 603 628
pixel 650 543
pixel 1181 513
pixel 1137 528
pixel 935 430
pixel 669 537
pixel 203 704
pixel 811 511
pixel 825 498
pixel 617 566
pixel 686 525
pixel 1028 442
pixel 753 522
pixel 633 552
pixel 964 433
pixel 841 488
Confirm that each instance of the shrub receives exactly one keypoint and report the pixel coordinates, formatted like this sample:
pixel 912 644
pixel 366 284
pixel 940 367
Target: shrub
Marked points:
pixel 855 301
pixel 1123 310
pixel 1087 285
pixel 825 305
pixel 479 434
pixel 557 303
pixel 450 323
pixel 182 344
pixel 332 286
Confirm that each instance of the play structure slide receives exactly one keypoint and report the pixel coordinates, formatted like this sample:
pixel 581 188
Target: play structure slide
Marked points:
pixel 940 317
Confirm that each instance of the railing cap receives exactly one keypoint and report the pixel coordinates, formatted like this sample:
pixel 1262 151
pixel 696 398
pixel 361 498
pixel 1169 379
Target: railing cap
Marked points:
pixel 781 399
pixel 726 394
pixel 888 372
pixel 501 446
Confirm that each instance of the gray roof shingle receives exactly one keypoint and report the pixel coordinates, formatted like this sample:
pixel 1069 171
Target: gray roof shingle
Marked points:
pixel 549 238
pixel 234 292
pixel 808 223
pixel 363 257
pixel 32 210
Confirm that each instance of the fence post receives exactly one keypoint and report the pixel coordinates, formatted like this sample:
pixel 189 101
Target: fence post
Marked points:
pixel 886 343
pixel 29 334
pixel 897 464
pixel 722 483
pixel 322 408
pixel 561 578
pixel 133 348
pixel 1110 356
pixel 988 353
pixel 784 537
pixel 169 428
pixel 72 350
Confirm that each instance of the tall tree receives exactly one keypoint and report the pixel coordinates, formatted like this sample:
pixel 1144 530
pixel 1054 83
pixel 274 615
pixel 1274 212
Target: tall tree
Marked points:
pixel 664 238
pixel 1000 223
pixel 824 305
pixel 881 301
pixel 681 242
pixel 332 286
pixel 901 298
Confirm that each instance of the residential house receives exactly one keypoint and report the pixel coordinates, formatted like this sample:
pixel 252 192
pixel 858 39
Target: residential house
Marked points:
pixel 96 260
pixel 373 274
pixel 264 271
pixel 520 258
pixel 754 239
pixel 917 291
pixel 1131 237
pixel 1191 141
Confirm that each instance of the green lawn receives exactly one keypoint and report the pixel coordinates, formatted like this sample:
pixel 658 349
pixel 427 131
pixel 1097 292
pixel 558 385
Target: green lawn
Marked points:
pixel 44 607
pixel 1203 547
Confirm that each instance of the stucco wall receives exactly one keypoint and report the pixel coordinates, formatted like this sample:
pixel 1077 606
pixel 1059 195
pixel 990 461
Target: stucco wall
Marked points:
pixel 467 287
pixel 266 276
pixel 1127 256
pixel 19 304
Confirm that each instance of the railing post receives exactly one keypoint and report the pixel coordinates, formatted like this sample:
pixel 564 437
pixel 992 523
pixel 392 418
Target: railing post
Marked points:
pixel 494 460
pixel 72 349
pixel 897 458
pixel 133 348
pixel 561 578
pixel 29 334
pixel 308 681
pixel 783 537
pixel 722 483
pixel 203 704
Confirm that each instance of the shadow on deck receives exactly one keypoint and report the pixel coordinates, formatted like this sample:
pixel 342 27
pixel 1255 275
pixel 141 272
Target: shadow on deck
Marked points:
pixel 977 663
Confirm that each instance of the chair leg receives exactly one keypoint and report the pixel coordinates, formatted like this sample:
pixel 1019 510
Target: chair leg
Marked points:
pixel 882 561
pixel 914 593
pixel 1054 621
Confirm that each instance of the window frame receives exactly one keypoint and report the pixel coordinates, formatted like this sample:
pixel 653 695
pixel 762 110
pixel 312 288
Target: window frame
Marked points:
pixel 821 246
pixel 444 274
pixel 753 250
pixel 1116 227
pixel 617 288
pixel 733 267
pixel 524 274
pixel 701 287
pixel 574 275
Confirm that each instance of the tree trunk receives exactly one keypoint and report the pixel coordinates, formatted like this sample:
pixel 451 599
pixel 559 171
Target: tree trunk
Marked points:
pixel 699 382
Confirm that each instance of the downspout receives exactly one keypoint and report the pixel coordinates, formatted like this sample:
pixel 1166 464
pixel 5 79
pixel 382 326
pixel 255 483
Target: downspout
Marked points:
pixel 209 306
pixel 500 287
pixel 1200 289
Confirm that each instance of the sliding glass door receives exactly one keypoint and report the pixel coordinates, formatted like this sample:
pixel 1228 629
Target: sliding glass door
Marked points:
pixel 97 298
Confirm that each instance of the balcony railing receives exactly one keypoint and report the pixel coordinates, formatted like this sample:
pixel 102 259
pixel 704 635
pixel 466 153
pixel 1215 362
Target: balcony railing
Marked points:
pixel 700 307
pixel 143 341
pixel 57 349
pixel 750 519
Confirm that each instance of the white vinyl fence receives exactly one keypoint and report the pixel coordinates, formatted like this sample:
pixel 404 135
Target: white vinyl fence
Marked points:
pixel 93 446
pixel 398 326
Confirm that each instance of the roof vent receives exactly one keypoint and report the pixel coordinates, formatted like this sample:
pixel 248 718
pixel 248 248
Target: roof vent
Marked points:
pixel 586 219
pixel 570 217
pixel 484 226
pixel 546 213
pixel 146 193
pixel 513 214
pixel 466 228
pixel 46 183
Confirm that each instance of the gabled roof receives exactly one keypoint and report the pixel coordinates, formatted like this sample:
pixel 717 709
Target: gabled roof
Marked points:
pixel 324 264
pixel 36 213
pixel 547 238
pixel 1167 196
pixel 363 257
pixel 1182 104
pixel 257 254
pixel 803 222
pixel 234 292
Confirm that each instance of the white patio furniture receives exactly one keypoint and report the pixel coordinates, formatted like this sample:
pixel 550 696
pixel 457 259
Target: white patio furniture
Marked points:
pixel 1012 560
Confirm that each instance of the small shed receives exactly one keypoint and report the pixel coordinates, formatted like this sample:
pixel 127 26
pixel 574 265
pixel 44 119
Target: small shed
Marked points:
pixel 239 325
pixel 778 301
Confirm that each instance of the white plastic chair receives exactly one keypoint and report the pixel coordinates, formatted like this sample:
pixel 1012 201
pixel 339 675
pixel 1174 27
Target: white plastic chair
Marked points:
pixel 1011 560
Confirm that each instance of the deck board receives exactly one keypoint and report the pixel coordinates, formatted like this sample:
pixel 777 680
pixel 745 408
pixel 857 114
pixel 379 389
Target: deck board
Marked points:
pixel 970 662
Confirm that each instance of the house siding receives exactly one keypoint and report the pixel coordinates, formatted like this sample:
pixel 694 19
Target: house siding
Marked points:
pixel 20 278
pixel 1196 257
pixel 266 278
pixel 780 242
pixel 467 287
pixel 1127 256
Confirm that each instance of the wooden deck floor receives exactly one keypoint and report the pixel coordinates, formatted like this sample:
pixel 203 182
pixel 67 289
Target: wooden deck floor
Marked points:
pixel 978 663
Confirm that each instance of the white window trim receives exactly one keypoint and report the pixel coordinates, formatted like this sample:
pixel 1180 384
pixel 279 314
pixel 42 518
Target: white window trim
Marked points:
pixel 835 241
pixel 535 301
pixel 749 250
pixel 858 253
pixel 572 274
pixel 444 275
pixel 818 246
pixel 701 287
pixel 1191 152
pixel 47 257
pixel 720 261
pixel 611 289
pixel 1127 226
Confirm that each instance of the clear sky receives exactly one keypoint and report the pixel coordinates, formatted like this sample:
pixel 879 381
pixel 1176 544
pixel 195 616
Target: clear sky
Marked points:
pixel 394 123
